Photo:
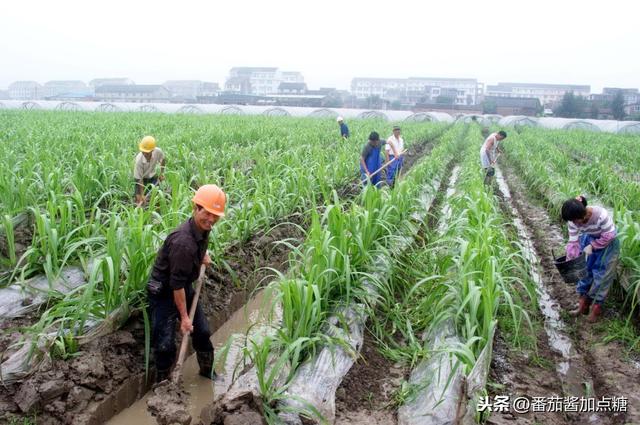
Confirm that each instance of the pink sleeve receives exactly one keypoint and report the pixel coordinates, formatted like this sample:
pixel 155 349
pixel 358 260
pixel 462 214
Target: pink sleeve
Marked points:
pixel 604 240
pixel 573 250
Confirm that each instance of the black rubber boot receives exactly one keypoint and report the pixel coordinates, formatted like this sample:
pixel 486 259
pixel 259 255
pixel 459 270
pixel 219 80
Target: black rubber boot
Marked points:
pixel 162 375
pixel 205 361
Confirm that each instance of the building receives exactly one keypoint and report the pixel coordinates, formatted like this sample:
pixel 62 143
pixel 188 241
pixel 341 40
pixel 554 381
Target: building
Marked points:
pixel 60 87
pixel 462 91
pixel 95 83
pixel 547 94
pixel 191 89
pixel 238 85
pixel 292 77
pixel 514 105
pixel 26 90
pixel 259 81
pixel 292 88
pixel 133 93
pixel 209 89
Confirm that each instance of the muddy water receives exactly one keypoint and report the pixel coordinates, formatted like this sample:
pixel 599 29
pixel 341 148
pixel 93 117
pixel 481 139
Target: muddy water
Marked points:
pixel 553 324
pixel 201 389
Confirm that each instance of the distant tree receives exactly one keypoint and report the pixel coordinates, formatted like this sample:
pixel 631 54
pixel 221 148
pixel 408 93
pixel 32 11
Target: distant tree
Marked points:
pixel 374 102
pixel 572 106
pixel 332 102
pixel 445 100
pixel 594 113
pixel 617 106
pixel 396 104
pixel 489 107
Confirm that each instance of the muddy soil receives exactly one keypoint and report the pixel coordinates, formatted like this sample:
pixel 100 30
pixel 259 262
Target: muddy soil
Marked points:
pixel 366 393
pixel 612 373
pixel 251 265
pixel 516 373
pixel 10 329
pixel 89 388
pixel 23 235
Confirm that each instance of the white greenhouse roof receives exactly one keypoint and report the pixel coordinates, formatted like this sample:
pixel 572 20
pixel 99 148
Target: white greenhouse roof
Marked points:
pixel 518 120
pixel 567 124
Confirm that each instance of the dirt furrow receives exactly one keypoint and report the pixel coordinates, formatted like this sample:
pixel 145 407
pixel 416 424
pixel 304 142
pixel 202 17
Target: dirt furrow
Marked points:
pixel 599 370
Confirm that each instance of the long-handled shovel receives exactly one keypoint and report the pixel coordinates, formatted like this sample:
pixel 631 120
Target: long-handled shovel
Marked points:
pixel 177 370
pixel 385 165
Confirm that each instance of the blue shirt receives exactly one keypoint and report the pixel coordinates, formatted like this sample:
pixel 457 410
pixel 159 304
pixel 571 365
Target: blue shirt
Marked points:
pixel 344 130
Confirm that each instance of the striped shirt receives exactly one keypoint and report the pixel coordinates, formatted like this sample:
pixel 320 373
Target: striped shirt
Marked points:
pixel 600 226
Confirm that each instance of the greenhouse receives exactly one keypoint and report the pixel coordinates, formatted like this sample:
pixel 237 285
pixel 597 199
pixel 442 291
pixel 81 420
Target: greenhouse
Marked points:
pixel 429 117
pixel 612 126
pixel 518 121
pixel 494 118
pixel 567 124
pixel 467 119
pixel 323 113
pixel 231 110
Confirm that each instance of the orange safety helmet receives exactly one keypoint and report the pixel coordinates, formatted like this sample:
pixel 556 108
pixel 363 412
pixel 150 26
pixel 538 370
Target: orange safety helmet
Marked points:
pixel 211 198
pixel 147 144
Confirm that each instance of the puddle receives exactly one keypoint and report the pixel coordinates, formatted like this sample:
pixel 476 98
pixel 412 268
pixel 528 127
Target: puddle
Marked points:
pixel 553 324
pixel 201 390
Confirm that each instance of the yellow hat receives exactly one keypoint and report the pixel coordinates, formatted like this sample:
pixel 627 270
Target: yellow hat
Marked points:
pixel 147 144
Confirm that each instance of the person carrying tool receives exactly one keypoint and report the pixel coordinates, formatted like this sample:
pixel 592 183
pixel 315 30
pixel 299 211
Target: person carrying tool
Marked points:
pixel 344 130
pixel 593 233
pixel 170 290
pixel 489 154
pixel 370 161
pixel 394 151
pixel 144 169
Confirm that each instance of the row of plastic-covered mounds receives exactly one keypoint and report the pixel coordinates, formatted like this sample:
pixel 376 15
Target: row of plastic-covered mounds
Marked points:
pixel 610 126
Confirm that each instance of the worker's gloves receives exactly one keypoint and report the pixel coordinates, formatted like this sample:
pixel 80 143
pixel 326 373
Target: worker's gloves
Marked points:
pixel 588 250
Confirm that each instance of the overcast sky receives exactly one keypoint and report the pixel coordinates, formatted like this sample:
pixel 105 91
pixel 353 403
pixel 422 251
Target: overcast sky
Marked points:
pixel 329 41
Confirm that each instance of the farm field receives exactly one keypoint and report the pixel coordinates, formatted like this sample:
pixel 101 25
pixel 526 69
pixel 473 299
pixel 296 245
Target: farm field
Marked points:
pixel 334 304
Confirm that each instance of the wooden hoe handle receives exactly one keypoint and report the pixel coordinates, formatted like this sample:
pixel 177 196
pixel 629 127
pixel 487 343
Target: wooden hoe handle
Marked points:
pixel 177 371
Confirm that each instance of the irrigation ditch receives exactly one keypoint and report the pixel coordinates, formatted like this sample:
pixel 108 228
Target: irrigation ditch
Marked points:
pixel 106 376
pixel 575 361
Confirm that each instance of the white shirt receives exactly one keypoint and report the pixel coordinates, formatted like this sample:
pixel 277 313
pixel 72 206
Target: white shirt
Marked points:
pixel 144 169
pixel 492 136
pixel 397 143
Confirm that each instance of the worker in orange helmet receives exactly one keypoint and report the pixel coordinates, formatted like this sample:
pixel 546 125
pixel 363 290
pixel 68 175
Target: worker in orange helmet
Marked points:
pixel 144 169
pixel 170 290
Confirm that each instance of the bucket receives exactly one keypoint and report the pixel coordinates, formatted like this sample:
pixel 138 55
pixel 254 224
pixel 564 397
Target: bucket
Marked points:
pixel 573 270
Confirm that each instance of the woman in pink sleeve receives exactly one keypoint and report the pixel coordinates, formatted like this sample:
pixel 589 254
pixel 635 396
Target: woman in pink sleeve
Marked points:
pixel 592 233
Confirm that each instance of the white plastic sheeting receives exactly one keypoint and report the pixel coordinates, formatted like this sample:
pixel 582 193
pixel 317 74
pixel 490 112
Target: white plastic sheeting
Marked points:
pixel 567 124
pixel 323 113
pixel 172 108
pixel 494 118
pixel 518 121
pixel 231 110
pixel 429 117
pixel 17 300
pixel 622 127
pixel 440 379
pixel 276 112
pixel 480 119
